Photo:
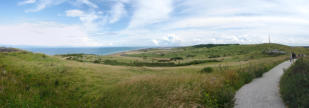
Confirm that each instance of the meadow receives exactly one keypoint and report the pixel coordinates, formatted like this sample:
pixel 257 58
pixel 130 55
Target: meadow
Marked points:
pixel 165 77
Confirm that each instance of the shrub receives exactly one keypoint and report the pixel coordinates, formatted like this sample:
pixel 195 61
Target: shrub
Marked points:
pixel 190 55
pixel 97 61
pixel 207 70
pixel 76 55
pixel 213 56
pixel 195 62
pixel 157 64
pixel 211 45
pixel 114 62
pixel 294 85
pixel 176 58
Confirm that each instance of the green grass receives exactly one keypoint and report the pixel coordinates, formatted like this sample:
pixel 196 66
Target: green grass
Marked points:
pixel 219 51
pixel 184 56
pixel 37 80
pixel 294 85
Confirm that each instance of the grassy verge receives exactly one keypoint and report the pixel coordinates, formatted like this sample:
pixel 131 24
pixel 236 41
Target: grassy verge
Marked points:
pixel 294 85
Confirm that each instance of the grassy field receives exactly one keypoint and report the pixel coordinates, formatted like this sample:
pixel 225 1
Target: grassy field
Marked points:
pixel 37 80
pixel 185 56
pixel 294 85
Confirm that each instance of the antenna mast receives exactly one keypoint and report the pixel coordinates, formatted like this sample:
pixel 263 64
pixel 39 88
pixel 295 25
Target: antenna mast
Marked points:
pixel 269 41
pixel 269 38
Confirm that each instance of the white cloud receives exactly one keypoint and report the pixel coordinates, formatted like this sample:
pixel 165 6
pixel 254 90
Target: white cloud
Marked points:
pixel 88 3
pixel 118 11
pixel 169 40
pixel 45 34
pixel 75 13
pixel 42 4
pixel 190 21
pixel 155 42
pixel 238 21
pixel 149 12
pixel 27 2
pixel 88 19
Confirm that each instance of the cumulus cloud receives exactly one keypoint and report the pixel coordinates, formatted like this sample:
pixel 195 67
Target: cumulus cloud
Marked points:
pixel 88 19
pixel 149 12
pixel 169 40
pixel 75 13
pixel 145 22
pixel 117 12
pixel 45 34
pixel 245 22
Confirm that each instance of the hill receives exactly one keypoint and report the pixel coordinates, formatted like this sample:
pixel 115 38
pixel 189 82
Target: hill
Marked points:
pixel 185 56
pixel 37 80
pixel 4 49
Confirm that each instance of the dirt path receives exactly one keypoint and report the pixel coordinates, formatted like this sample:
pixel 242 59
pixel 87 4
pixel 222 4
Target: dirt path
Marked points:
pixel 262 92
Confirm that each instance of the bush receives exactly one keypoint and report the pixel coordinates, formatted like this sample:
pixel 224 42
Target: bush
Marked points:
pixel 157 64
pixel 294 85
pixel 207 70
pixel 195 62
pixel 114 62
pixel 211 45
pixel 97 61
pixel 76 55
pixel 213 56
pixel 176 58
pixel 190 55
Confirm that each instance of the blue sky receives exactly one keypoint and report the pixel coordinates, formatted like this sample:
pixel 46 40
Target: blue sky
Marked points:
pixel 152 22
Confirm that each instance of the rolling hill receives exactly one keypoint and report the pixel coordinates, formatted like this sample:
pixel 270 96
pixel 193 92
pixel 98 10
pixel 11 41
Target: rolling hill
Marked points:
pixel 177 77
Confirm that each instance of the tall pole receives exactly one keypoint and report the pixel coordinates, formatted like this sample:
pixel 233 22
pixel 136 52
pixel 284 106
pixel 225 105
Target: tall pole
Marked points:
pixel 269 41
pixel 269 38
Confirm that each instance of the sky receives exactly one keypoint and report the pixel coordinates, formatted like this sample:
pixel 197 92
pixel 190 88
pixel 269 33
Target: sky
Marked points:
pixel 92 23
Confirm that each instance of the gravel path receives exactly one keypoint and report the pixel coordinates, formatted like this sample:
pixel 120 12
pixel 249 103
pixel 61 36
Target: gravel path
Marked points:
pixel 262 92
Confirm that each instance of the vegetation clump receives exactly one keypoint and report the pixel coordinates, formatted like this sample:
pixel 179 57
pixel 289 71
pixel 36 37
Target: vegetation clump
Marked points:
pixel 158 64
pixel 213 56
pixel 176 58
pixel 294 84
pixel 211 45
pixel 190 55
pixel 207 70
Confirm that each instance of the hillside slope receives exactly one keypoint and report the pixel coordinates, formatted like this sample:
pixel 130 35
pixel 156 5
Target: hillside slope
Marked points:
pixel 37 80
pixel 192 55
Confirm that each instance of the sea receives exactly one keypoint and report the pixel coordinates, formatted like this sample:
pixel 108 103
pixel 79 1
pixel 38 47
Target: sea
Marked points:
pixel 83 50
